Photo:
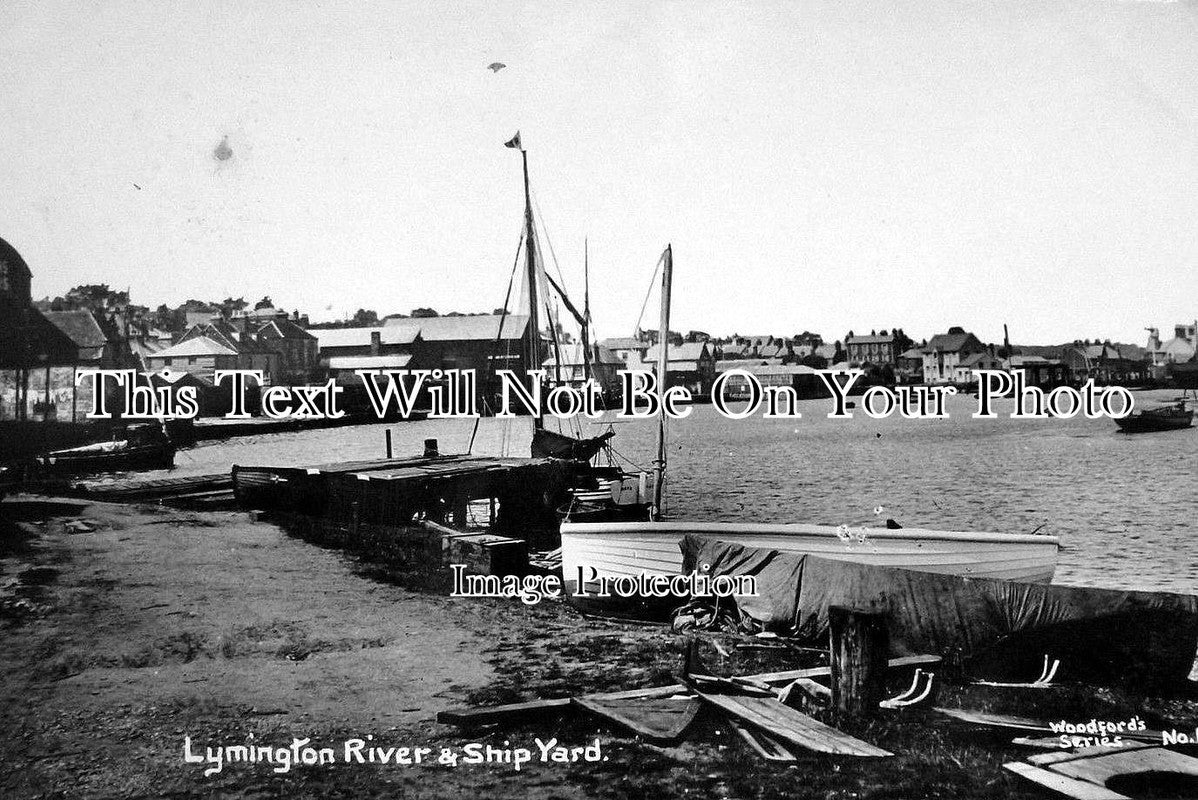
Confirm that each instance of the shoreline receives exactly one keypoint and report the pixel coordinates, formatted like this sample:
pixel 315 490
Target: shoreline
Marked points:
pixel 127 628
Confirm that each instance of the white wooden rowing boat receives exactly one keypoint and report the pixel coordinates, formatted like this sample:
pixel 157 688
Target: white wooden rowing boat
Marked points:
pixel 613 549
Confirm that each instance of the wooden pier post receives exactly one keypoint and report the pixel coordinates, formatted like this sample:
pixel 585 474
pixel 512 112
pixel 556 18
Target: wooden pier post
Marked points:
pixel 859 649
pixel 387 435
pixel 430 448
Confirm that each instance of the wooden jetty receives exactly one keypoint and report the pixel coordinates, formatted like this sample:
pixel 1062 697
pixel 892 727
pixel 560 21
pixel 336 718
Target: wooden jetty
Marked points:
pixel 191 491
pixel 396 491
pixel 398 510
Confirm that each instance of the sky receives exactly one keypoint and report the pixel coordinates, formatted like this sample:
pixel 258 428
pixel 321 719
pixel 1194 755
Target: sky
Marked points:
pixel 825 166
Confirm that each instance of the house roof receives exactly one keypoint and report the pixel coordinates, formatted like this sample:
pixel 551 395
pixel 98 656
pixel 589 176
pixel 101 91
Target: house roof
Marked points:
pixel 1179 348
pixel 198 346
pixel 81 328
pixel 976 358
pixel 360 337
pixel 739 363
pixel 283 329
pixel 690 351
pixel 1023 361
pixel 871 339
pixel 952 342
pixel 393 361
pixel 625 343
pixel 914 352
pixel 483 327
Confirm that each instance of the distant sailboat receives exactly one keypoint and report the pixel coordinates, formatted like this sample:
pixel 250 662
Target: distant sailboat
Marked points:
pixel 607 550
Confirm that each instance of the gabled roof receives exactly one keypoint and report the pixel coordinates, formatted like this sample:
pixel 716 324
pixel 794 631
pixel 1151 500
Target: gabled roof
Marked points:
pixel 81 328
pixel 976 358
pixel 953 342
pixel 197 346
pixel 871 339
pixel 283 329
pixel 914 352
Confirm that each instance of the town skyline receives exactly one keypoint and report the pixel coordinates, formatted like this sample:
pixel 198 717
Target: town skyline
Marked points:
pixel 927 167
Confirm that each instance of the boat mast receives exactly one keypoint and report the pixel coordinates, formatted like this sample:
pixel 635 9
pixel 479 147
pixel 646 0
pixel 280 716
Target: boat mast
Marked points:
pixel 586 312
pixel 663 340
pixel 530 249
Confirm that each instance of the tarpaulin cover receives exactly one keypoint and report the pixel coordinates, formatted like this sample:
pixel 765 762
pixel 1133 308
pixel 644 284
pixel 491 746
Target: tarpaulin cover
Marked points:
pixel 1003 625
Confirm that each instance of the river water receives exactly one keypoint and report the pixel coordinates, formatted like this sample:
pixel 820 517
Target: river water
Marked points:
pixel 1125 506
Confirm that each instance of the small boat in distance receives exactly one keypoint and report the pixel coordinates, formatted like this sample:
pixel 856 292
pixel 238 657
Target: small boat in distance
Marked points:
pixel 1163 418
pixel 121 455
pixel 595 551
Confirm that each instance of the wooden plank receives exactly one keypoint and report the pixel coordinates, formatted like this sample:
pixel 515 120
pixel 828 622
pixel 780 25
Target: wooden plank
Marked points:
pixel 471 717
pixel 1044 759
pixel 1078 790
pixel 1101 769
pixel 793 727
pixel 1040 743
pixel 761 743
pixel 493 714
pixel 787 676
pixel 658 720
pixel 1028 724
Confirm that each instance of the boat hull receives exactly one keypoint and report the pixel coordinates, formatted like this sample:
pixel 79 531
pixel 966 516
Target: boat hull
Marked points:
pixel 592 551
pixel 1149 422
pixel 131 458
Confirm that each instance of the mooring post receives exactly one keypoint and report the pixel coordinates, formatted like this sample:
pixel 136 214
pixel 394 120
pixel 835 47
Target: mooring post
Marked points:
pixel 859 649
pixel 387 435
pixel 430 448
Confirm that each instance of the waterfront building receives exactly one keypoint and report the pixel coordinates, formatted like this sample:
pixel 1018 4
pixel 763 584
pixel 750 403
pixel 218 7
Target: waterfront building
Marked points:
pixel 1040 370
pixel 878 349
pixel 803 379
pixel 945 352
pixel 691 365
pixel 630 350
pixel 39 356
pixel 297 350
pixel 604 365
pixel 908 366
pixel 1178 350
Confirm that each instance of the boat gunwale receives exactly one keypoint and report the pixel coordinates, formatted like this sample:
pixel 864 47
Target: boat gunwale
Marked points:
pixel 715 528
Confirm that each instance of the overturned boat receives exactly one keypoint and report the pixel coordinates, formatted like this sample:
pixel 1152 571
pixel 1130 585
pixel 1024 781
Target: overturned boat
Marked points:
pixel 998 627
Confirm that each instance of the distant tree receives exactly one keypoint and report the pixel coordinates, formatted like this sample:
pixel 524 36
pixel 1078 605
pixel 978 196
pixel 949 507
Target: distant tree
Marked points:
pixel 363 318
pixel 814 360
pixel 424 313
pixel 228 306
pixel 265 302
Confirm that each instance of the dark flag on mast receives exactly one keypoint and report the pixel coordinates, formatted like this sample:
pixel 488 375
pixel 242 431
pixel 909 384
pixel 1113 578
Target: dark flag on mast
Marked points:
pixel 514 142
